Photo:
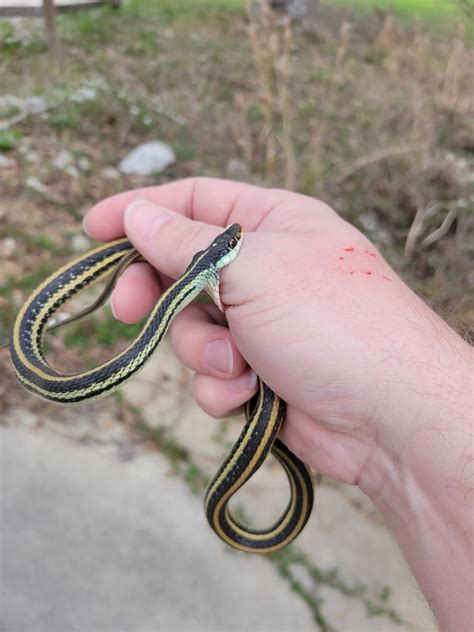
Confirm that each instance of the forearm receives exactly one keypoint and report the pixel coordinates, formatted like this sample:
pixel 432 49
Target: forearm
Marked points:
pixel 421 480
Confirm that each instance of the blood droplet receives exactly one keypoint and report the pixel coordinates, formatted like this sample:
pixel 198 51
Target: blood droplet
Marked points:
pixel 350 249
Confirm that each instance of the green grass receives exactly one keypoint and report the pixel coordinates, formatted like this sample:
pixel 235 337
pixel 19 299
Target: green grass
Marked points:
pixel 103 328
pixel 435 10
pixel 170 9
pixel 9 138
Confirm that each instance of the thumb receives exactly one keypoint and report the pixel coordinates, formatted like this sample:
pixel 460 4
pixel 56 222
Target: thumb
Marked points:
pixel 166 239
pixel 169 240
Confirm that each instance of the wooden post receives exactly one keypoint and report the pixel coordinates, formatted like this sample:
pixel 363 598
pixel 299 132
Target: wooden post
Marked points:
pixel 49 13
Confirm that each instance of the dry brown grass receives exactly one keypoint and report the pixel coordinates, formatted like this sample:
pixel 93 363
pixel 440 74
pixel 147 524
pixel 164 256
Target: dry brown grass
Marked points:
pixel 271 40
pixel 373 117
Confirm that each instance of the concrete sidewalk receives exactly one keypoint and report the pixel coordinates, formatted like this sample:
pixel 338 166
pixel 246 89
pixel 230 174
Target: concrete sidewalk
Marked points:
pixel 90 543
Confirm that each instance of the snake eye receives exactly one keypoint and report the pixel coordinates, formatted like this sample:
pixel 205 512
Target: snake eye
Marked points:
pixel 232 243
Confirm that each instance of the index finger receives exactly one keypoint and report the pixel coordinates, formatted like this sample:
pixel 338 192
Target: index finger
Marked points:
pixel 210 200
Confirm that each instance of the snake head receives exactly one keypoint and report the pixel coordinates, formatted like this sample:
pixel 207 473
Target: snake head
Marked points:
pixel 226 246
pixel 221 252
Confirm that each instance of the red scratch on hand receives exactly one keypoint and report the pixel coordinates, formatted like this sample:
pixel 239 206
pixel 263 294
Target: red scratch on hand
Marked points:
pixel 350 249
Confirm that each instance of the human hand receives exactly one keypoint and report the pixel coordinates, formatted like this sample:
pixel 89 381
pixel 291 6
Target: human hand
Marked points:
pixel 312 307
pixel 378 387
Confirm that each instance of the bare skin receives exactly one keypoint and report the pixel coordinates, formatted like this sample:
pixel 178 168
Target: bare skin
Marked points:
pixel 379 389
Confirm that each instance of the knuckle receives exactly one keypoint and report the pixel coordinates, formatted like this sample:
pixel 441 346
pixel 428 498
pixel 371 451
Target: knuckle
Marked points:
pixel 188 238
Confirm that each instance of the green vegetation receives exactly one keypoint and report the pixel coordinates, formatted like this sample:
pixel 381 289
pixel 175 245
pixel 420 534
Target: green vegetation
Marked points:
pixel 170 9
pixel 435 10
pixel 104 329
pixel 179 459
pixel 431 9
pixel 287 561
pixel 28 282
pixel 9 138
pixel 65 117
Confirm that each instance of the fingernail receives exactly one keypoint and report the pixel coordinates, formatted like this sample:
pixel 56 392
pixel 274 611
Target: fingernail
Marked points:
pixel 219 355
pixel 84 227
pixel 143 219
pixel 252 379
pixel 245 382
pixel 111 302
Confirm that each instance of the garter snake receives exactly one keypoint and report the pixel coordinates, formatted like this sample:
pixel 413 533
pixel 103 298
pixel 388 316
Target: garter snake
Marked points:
pixel 264 412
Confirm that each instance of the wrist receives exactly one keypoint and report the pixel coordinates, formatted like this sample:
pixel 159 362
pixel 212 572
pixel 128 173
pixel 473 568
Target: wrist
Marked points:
pixel 426 405
pixel 420 475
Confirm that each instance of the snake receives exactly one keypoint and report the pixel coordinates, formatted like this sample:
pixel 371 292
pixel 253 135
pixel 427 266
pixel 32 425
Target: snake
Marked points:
pixel 264 412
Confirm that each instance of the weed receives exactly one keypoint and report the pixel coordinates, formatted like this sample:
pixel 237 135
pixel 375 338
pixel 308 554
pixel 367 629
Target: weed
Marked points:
pixel 178 457
pixel 15 44
pixel 40 241
pixel 290 558
pixel 106 330
pixel 286 560
pixel 271 47
pixel 65 117
pixel 221 436
pixel 9 138
pixel 30 281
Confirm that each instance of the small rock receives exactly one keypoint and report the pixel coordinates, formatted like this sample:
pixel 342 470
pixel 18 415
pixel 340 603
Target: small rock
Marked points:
pixel 5 162
pixel 63 159
pixel 16 297
pixel 369 221
pixel 36 105
pixel 8 247
pixel 8 270
pixel 36 185
pixel 110 173
pixel 237 169
pixel 84 94
pixel 20 109
pixel 80 243
pixel 25 144
pixel 148 158
pixel 84 163
pixel 72 171
pixel 32 156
